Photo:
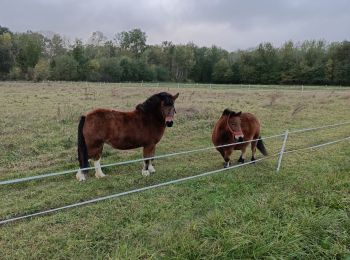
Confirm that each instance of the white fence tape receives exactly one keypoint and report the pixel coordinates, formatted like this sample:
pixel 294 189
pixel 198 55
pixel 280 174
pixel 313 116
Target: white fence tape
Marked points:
pixel 128 162
pixel 160 184
pixel 129 192
pixel 18 180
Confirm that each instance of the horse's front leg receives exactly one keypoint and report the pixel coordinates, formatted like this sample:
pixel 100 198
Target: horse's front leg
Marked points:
pixel 150 166
pixel 148 152
pixel 227 154
pixel 243 151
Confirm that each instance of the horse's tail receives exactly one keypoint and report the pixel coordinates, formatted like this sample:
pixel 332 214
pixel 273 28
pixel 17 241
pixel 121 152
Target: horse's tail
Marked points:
pixel 260 145
pixel 83 156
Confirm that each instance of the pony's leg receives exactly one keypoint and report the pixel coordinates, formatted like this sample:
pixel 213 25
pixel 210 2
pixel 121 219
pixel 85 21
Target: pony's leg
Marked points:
pixel 227 154
pixel 80 175
pixel 253 146
pixel 147 152
pixel 150 166
pixel 242 157
pixel 98 173
pixel 222 152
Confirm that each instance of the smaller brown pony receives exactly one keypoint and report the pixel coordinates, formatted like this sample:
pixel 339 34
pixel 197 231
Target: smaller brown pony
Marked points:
pixel 143 127
pixel 237 127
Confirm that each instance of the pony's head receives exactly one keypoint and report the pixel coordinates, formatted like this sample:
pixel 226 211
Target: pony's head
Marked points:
pixel 234 125
pixel 167 106
pixel 161 104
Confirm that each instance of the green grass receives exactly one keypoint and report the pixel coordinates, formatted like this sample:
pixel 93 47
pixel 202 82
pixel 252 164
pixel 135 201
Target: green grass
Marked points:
pixel 249 212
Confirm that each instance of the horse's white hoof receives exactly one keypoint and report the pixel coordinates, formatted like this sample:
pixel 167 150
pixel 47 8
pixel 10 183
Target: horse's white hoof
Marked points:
pixel 145 173
pixel 99 174
pixel 80 176
pixel 151 169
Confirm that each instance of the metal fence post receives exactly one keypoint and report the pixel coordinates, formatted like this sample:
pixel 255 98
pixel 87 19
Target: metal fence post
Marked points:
pixel 282 151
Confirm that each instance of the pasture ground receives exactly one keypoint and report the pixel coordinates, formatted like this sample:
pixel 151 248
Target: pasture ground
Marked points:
pixel 249 212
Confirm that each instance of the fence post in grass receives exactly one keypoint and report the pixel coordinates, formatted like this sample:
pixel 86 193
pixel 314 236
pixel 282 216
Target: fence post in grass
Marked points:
pixel 282 151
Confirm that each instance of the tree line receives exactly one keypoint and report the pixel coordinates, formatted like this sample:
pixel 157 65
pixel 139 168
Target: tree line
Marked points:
pixel 33 56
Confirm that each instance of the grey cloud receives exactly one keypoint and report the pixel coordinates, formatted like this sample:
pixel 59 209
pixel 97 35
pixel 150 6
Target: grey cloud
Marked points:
pixel 230 24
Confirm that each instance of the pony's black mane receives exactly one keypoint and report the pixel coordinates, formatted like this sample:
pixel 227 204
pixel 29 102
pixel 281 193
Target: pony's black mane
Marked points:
pixel 228 112
pixel 153 102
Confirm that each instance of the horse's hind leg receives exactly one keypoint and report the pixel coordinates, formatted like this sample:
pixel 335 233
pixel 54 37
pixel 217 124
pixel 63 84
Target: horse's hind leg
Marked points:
pixel 253 146
pixel 96 154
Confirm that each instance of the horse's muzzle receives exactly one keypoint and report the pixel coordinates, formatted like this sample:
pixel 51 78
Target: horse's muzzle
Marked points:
pixel 169 123
pixel 238 136
pixel 240 139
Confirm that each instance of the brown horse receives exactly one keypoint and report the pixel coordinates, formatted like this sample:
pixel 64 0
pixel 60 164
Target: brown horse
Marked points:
pixel 233 127
pixel 143 127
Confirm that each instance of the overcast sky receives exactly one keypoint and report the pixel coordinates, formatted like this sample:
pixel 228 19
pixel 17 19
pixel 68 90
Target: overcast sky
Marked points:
pixel 230 24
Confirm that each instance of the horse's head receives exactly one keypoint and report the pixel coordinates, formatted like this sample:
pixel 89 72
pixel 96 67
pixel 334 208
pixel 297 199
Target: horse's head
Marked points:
pixel 160 105
pixel 168 109
pixel 234 125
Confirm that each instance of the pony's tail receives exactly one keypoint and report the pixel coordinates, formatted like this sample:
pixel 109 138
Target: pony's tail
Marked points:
pixel 261 147
pixel 82 150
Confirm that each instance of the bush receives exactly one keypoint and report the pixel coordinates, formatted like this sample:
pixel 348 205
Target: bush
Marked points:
pixel 64 67
pixel 110 70
pixel 41 70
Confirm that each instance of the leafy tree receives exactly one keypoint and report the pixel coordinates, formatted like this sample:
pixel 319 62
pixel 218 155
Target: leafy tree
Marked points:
pixel 266 64
pixel 154 55
pixel 78 53
pixel 289 64
pixel 41 70
pixel 97 39
pixel 27 55
pixel 6 53
pixel 4 30
pixel 341 65
pixel 108 50
pixel 182 62
pixel 110 70
pixel 93 70
pixel 29 49
pixel 162 74
pixel 247 67
pixel 221 72
pixel 128 69
pixel 55 46
pixel 312 62
pixel 64 67
pixel 133 41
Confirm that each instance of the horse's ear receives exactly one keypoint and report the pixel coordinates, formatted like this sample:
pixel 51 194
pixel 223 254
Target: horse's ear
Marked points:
pixel 175 96
pixel 233 113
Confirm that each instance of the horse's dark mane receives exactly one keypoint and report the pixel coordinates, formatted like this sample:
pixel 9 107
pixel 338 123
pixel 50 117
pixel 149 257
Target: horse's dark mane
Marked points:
pixel 153 102
pixel 227 112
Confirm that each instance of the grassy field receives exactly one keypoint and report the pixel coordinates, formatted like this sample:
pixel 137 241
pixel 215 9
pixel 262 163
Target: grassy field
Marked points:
pixel 248 212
